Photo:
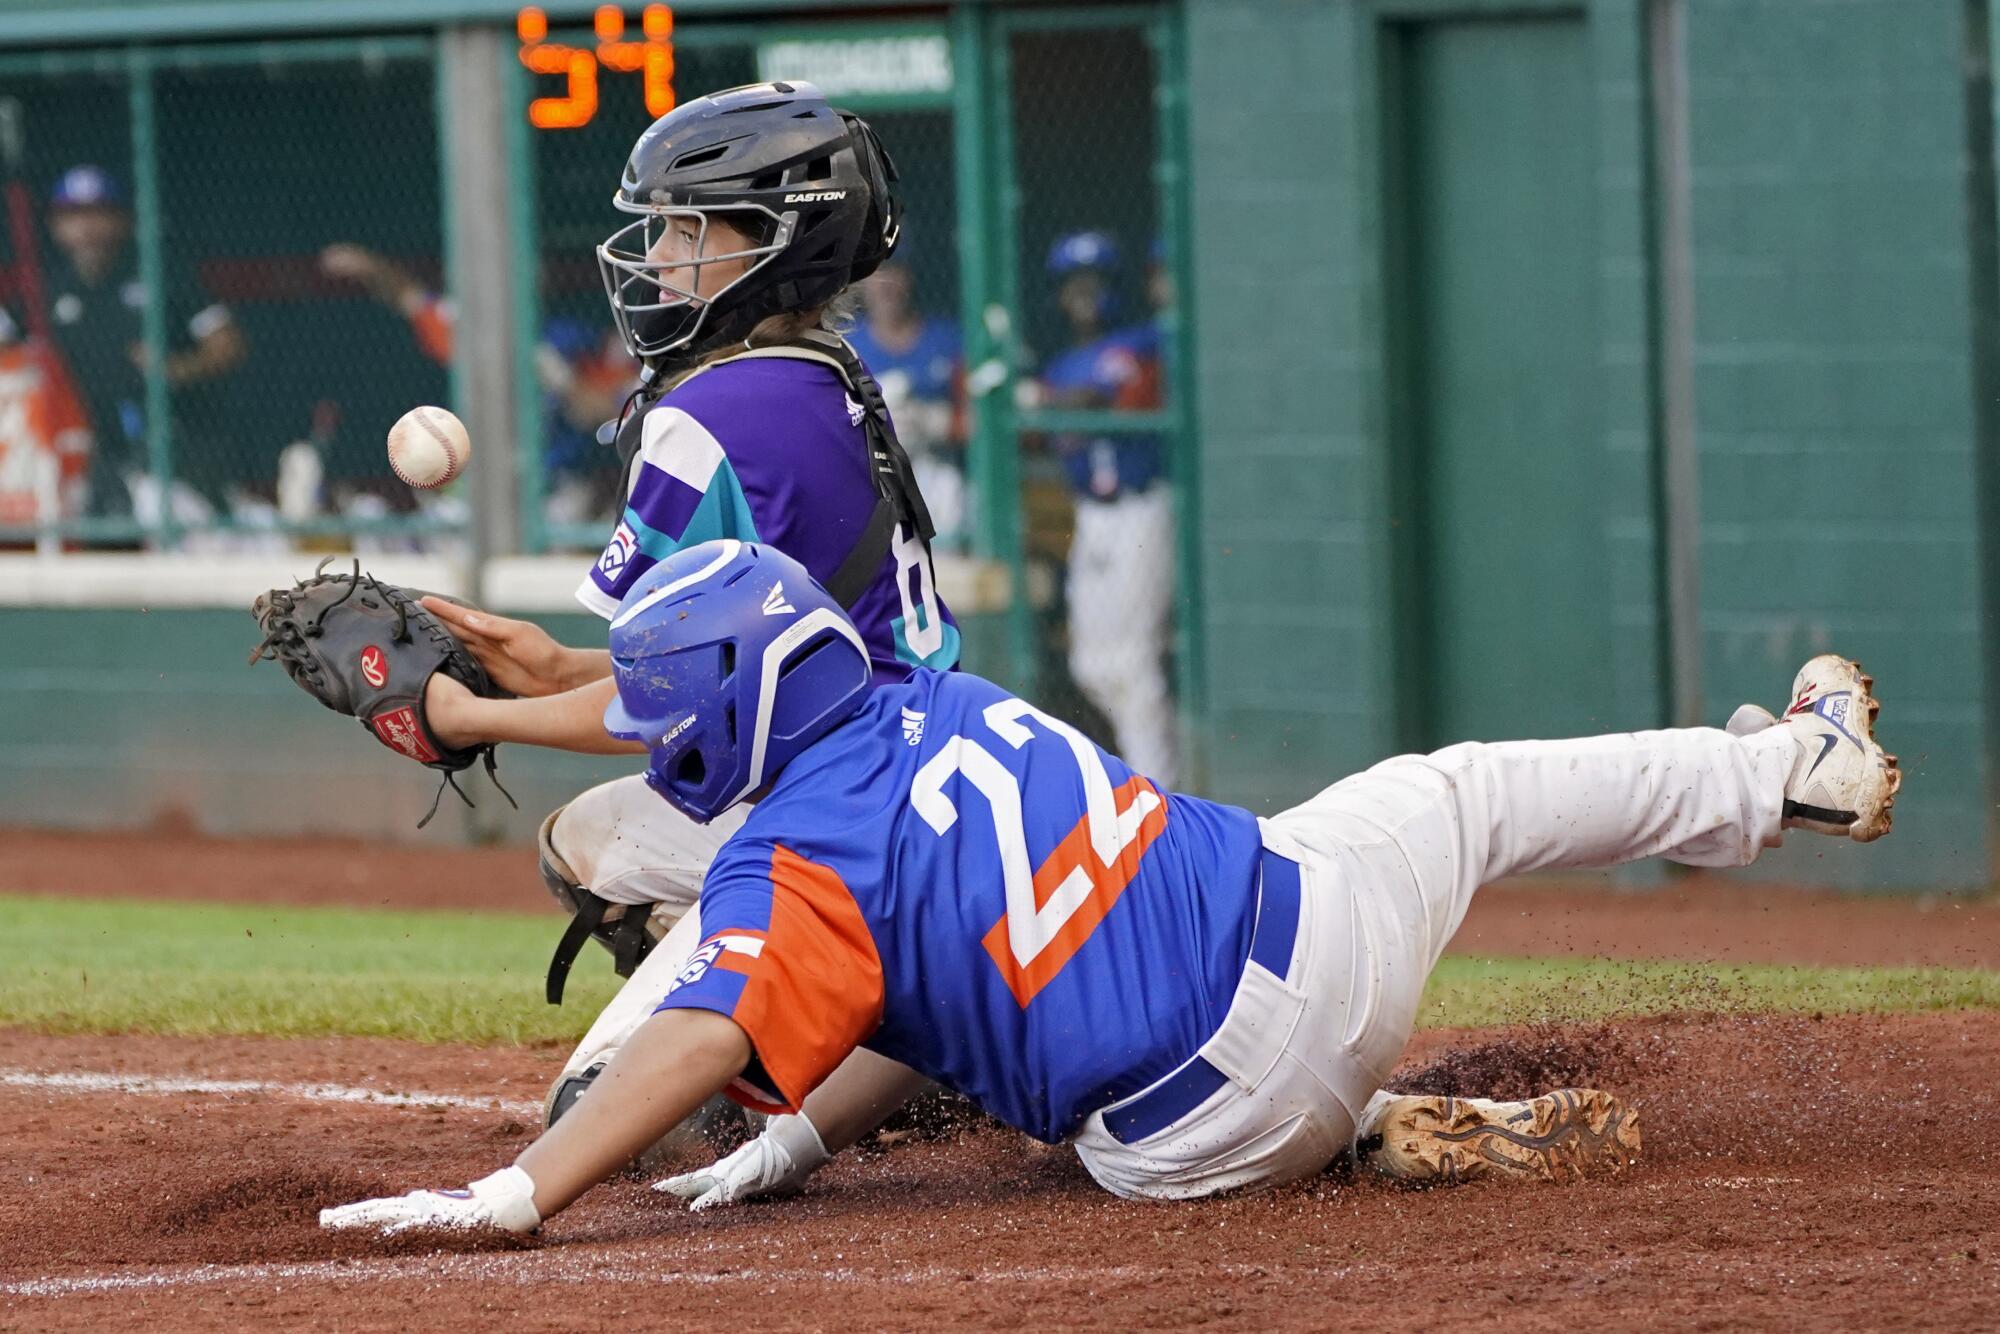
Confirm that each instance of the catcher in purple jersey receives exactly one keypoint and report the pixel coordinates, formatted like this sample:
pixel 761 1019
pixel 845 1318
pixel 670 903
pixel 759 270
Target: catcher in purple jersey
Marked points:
pixel 942 876
pixel 754 210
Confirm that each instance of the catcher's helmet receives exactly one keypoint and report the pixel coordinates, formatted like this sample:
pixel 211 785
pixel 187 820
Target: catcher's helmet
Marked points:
pixel 730 660
pixel 810 185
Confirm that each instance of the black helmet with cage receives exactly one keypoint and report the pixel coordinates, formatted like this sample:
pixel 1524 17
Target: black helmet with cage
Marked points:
pixel 809 185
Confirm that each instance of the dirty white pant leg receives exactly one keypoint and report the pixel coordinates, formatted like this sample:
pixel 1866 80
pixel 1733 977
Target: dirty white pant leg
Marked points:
pixel 626 844
pixel 1404 846
pixel 634 1003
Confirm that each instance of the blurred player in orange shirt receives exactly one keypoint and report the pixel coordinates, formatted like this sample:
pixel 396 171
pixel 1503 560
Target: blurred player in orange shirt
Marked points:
pixel 45 439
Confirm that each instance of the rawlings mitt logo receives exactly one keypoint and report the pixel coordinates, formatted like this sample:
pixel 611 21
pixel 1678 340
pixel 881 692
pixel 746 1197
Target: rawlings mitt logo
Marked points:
pixel 399 732
pixel 374 667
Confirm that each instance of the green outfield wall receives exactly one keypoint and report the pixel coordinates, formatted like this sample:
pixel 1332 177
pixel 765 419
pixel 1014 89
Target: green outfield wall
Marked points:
pixel 1567 367
pixel 129 718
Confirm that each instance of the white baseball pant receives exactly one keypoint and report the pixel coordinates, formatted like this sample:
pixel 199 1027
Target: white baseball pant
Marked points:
pixel 626 844
pixel 1121 593
pixel 1388 861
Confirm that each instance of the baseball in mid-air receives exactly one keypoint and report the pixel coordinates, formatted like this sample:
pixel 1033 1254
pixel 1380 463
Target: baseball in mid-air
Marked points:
pixel 428 447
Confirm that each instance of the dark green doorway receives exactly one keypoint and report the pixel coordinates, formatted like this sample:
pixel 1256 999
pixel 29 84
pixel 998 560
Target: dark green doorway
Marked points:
pixel 1507 604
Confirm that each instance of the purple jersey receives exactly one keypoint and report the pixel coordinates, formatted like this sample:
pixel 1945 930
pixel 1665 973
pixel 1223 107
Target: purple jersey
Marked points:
pixel 771 449
pixel 961 883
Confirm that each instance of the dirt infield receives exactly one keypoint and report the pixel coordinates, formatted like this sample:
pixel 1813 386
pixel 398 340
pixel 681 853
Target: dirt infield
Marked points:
pixel 1708 919
pixel 1839 1172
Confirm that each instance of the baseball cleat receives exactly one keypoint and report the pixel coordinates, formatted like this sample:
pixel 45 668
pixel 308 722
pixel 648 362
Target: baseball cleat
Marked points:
pixel 1566 1135
pixel 1844 784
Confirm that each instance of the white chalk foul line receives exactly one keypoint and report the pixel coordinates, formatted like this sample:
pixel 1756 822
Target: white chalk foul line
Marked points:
pixel 563 1266
pixel 96 1082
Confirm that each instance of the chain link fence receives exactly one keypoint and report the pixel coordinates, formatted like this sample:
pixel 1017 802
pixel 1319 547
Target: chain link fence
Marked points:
pixel 1097 445
pixel 223 283
pixel 224 275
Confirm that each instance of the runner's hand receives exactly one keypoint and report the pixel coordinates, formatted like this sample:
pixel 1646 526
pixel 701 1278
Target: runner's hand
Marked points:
pixel 504 1201
pixel 776 1163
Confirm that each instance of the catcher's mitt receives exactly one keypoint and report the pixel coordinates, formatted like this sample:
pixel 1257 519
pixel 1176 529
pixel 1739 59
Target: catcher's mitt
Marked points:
pixel 367 649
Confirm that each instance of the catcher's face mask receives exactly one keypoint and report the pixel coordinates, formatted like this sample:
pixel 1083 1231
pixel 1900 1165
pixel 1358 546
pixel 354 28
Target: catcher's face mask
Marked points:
pixel 666 271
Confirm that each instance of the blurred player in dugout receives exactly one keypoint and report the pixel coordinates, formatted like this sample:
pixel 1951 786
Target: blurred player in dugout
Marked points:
pixel 919 362
pixel 44 437
pixel 1121 551
pixel 584 373
pixel 96 312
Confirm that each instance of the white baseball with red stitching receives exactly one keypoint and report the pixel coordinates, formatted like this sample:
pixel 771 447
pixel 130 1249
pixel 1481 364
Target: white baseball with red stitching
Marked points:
pixel 428 447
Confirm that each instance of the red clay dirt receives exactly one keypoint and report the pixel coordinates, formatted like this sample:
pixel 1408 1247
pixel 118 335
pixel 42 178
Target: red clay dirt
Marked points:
pixel 1705 919
pixel 1838 1172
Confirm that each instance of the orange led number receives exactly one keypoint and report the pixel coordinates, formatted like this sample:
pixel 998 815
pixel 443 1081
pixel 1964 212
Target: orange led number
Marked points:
pixel 652 58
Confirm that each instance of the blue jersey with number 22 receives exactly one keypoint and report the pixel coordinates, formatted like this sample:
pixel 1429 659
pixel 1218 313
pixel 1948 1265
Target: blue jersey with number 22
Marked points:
pixel 962 883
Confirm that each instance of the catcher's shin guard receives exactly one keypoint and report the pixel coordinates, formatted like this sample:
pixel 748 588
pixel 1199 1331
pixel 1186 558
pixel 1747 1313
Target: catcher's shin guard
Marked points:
pixel 620 928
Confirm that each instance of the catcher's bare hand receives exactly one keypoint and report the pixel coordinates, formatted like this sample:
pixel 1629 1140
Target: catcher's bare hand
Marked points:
pixel 451 711
pixel 520 656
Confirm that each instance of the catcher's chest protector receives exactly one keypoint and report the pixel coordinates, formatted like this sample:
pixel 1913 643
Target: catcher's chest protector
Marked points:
pixel 898 498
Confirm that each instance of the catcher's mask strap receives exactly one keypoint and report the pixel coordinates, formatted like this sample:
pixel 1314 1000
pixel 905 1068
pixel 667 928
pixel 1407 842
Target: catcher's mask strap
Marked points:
pixel 589 915
pixel 629 942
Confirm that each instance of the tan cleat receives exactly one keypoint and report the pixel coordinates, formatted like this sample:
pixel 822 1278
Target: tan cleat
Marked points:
pixel 1561 1136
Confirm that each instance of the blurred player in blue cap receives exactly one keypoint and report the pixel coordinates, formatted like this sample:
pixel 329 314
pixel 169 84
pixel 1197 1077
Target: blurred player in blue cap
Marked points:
pixel 919 361
pixel 1121 554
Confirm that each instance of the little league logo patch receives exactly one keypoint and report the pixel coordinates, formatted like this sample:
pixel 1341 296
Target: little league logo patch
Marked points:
pixel 696 966
pixel 374 667
pixel 618 552
pixel 400 733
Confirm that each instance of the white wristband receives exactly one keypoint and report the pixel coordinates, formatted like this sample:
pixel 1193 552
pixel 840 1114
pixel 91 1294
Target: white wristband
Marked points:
pixel 510 1194
pixel 799 1138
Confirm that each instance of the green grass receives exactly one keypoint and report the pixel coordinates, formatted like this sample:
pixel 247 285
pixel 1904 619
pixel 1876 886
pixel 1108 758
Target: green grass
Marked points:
pixel 1469 992
pixel 97 966
pixel 100 966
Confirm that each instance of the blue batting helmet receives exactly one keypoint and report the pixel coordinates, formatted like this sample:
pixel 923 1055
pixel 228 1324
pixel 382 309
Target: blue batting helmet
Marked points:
pixel 730 660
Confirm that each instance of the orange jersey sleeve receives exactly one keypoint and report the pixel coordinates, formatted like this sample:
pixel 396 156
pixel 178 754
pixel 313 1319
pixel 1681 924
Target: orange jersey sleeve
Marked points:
pixel 790 958
pixel 432 322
